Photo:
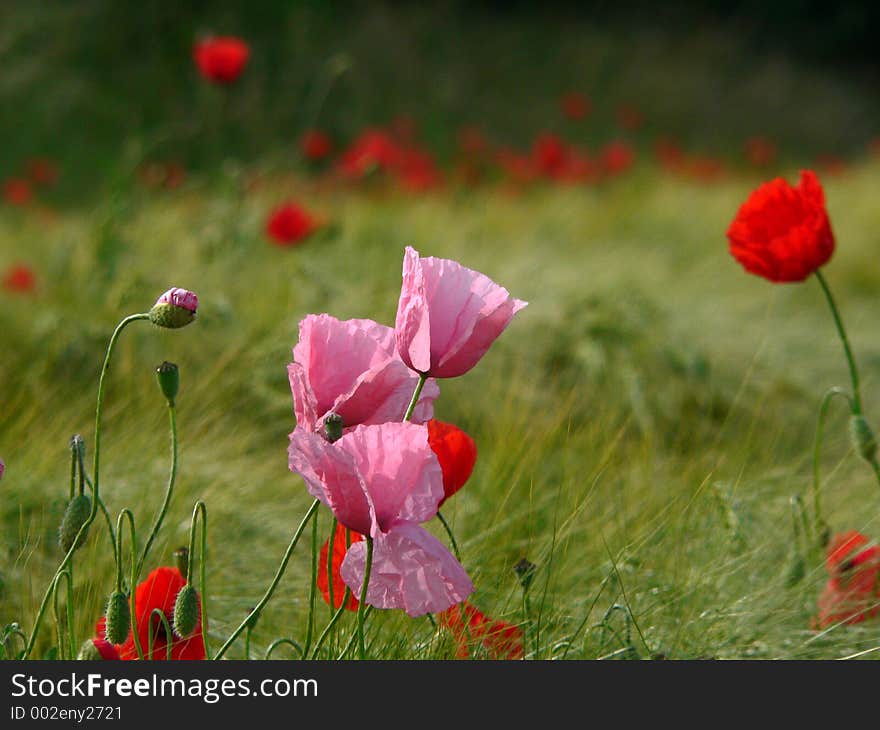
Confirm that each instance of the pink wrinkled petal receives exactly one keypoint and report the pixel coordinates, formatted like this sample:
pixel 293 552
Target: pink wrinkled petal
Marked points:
pixel 331 475
pixel 411 570
pixel 399 470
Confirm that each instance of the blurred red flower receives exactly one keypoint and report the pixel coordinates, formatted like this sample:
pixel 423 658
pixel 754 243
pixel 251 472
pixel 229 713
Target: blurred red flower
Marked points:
pixel 852 593
pixel 668 153
pixel 759 151
pixel 17 191
pixel 518 168
pixel 782 232
pixel 456 452
pixel 339 551
pixel 315 145
pixel 371 151
pixel 549 154
pixel 629 117
pixel 617 157
pixel 416 170
pixel 19 278
pixel 575 106
pixel 472 142
pixel 289 224
pixel 471 628
pixel 42 171
pixel 158 591
pixel 221 59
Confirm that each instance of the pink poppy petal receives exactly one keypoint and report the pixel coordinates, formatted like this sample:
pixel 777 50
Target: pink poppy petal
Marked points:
pixel 412 570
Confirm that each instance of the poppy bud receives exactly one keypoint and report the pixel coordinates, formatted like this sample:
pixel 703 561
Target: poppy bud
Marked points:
pixel 333 427
pixel 118 618
pixel 863 438
pixel 186 611
pixel 174 309
pixel 78 510
pixel 525 571
pixel 181 559
pixel 169 380
pixel 78 445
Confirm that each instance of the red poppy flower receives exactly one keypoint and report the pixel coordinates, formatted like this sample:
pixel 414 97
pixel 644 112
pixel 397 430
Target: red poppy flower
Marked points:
pixel 159 590
pixel 549 154
pixel 222 59
pixel 471 141
pixel 760 151
pixel 575 105
pixel 416 170
pixel 373 150
pixel 617 157
pixel 42 171
pixel 289 224
pixel 19 278
pixel 782 232
pixel 852 593
pixel 471 628
pixel 339 551
pixel 456 452
pixel 518 168
pixel 315 145
pixel 17 191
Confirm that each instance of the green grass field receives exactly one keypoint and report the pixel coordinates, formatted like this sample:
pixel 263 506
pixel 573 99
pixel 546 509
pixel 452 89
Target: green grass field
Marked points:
pixel 642 425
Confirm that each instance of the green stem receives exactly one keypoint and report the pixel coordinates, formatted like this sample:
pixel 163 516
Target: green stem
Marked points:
pixel 200 509
pixel 819 525
pixel 107 519
pixel 329 627
pixel 851 361
pixel 330 544
pixel 280 642
pixel 132 591
pixel 169 636
pixel 450 535
pixel 274 584
pixel 362 650
pixel 303 650
pixel 172 477
pixel 95 470
pixel 354 636
pixel 415 396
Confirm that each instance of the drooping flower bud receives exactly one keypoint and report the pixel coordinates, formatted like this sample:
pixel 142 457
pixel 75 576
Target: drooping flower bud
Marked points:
pixel 181 560
pixel 169 380
pixel 333 427
pixel 863 439
pixel 186 611
pixel 97 650
pixel 78 510
pixel 175 308
pixel 525 571
pixel 118 618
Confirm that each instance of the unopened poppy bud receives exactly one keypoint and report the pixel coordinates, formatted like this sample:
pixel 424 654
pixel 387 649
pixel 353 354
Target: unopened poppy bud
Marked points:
pixel 525 571
pixel 78 446
pixel 863 438
pixel 333 427
pixel 181 560
pixel 169 380
pixel 186 611
pixel 118 618
pixel 97 650
pixel 78 510
pixel 175 308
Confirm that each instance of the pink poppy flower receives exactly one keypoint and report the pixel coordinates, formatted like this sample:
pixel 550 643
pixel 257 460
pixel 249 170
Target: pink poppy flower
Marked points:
pixel 383 481
pixel 366 382
pixel 448 316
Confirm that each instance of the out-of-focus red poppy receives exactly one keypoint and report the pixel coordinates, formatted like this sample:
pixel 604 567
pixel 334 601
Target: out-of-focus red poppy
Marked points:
pixel 19 278
pixel 575 106
pixel 315 145
pixel 162 174
pixel 289 224
pixel 472 141
pixel 549 154
pixel 416 170
pixel 852 593
pixel 617 157
pixel 158 591
pixel 17 191
pixel 629 117
pixel 456 452
pixel 703 168
pixel 782 232
pixel 668 153
pixel 517 168
pixel 339 551
pixel 373 150
pixel 42 171
pixel 832 164
pixel 759 151
pixel 221 59
pixel 472 630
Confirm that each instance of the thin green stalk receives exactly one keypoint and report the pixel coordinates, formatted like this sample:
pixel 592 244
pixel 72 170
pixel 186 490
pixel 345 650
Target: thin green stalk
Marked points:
pixel 850 359
pixel 169 636
pixel 200 509
pixel 329 565
pixel 172 477
pixel 313 585
pixel 274 584
pixel 415 396
pixel 280 642
pixel 95 471
pixel 329 627
pixel 362 649
pixel 107 519
pixel 64 652
pixel 127 514
pixel 819 525
pixel 354 636
pixel 450 535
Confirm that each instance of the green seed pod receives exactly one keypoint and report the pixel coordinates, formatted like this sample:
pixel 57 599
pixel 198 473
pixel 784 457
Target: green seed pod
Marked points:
pixel 78 510
pixel 333 427
pixel 118 618
pixel 863 438
pixel 169 380
pixel 186 611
